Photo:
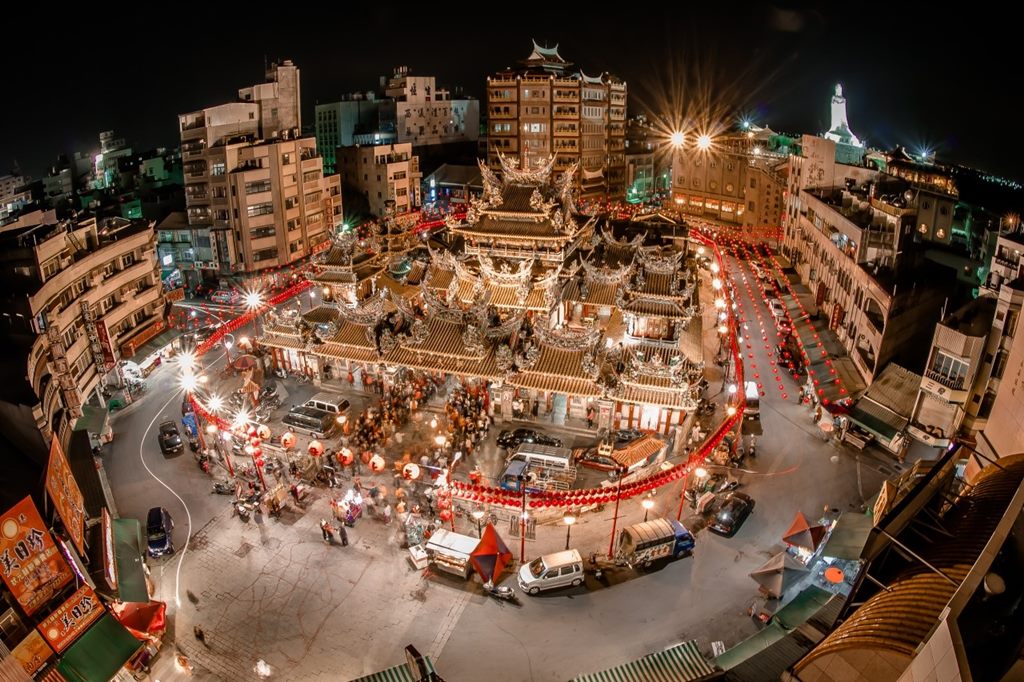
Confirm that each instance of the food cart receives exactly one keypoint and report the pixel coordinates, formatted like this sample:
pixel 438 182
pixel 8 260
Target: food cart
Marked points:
pixel 450 552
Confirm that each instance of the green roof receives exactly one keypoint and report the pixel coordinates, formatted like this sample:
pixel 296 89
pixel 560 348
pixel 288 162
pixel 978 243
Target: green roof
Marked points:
pixel 99 653
pixel 131 578
pixel 800 609
pixel 751 646
pixel 680 663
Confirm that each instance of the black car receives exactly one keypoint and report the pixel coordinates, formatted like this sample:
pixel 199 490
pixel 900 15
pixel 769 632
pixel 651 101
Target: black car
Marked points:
pixel 624 437
pixel 170 439
pixel 159 525
pixel 204 289
pixel 512 439
pixel 730 514
pixel 593 459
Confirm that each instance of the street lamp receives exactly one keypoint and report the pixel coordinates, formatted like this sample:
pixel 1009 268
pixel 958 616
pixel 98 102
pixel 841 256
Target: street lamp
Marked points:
pixel 704 142
pixel 312 297
pixel 701 473
pixel 478 514
pixel 254 304
pixel 227 348
pixel 677 138
pixel 621 471
pixel 568 518
pixel 647 503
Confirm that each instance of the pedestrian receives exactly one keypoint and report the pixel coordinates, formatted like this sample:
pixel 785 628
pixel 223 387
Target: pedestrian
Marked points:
pixel 197 631
pixel 343 534
pixel 590 417
pixel 325 529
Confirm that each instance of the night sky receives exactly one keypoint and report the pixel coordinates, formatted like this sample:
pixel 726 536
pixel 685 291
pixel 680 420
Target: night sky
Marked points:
pixel 913 76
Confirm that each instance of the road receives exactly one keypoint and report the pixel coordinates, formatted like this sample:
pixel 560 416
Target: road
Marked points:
pixel 272 590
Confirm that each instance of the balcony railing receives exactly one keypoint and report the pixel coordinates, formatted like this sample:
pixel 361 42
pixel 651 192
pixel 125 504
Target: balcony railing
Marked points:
pixel 956 384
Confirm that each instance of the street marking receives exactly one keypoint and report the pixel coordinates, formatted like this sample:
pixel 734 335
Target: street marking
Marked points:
pixel 451 619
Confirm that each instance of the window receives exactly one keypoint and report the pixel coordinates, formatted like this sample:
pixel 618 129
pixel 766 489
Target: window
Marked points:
pixel 1010 327
pixel 292 224
pixel 286 159
pixel 265 208
pixel 313 197
pixel 258 186
pixel 265 254
pixel 310 176
pixel 753 183
pixel 999 365
pixel 291 202
pixel 261 232
pixel 127 260
pixel 750 205
pixel 218 169
pixel 948 369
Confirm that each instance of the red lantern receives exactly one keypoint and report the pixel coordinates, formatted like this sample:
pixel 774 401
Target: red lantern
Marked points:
pixel 263 431
pixel 411 472
pixel 288 440
pixel 316 448
pixel 377 463
pixel 345 457
pixel 446 515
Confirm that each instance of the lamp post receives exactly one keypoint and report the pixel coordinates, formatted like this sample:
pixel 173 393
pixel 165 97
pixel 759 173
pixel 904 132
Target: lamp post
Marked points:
pixel 700 473
pixel 568 518
pixel 312 297
pixel 647 503
pixel 478 514
pixel 254 303
pixel 615 517
pixel 521 479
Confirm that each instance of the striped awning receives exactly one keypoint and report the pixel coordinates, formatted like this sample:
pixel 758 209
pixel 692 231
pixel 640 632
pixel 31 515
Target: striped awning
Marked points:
pixel 399 673
pixel 680 663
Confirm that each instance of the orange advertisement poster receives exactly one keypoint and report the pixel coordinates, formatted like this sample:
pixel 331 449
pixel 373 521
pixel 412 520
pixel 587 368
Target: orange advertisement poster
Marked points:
pixel 30 564
pixel 66 495
pixel 32 653
pixel 71 619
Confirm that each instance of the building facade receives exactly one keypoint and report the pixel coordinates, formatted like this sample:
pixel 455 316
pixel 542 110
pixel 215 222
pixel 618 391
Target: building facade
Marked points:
pixel 739 180
pixel 90 294
pixel 547 106
pixel 410 109
pixel 388 176
pixel 256 197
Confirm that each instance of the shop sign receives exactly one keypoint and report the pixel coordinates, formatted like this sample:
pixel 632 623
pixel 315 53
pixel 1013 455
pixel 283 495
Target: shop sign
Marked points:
pixel 71 619
pixel 30 563
pixel 108 349
pixel 65 494
pixel 109 563
pixel 32 653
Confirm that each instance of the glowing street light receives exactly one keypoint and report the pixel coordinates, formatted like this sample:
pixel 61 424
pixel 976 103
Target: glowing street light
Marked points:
pixel 716 284
pixel 732 389
pixel 677 138
pixel 720 303
pixel 214 404
pixel 254 304
pixel 478 514
pixel 722 329
pixel 700 472
pixel 188 382
pixel 241 419
pixel 730 411
pixel 704 142
pixel 187 362
pixel 568 518
pixel 440 440
pixel 647 503
pixel 714 268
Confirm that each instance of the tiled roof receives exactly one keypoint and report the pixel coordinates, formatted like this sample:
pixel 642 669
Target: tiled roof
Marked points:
pixel 516 199
pixel 322 314
pixel 560 371
pixel 655 308
pixel 637 451
pixel 657 284
pixel 597 294
pixel 275 341
pixel 642 395
pixel 490 226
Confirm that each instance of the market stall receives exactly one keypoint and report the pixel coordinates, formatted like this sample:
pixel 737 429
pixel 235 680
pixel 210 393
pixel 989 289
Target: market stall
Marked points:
pixel 451 552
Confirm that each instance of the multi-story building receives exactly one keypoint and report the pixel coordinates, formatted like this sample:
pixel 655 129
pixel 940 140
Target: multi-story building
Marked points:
pixel 849 233
pixel 410 109
pixel 388 176
pixel 255 191
pixel 739 179
pixel 546 107
pixel 80 296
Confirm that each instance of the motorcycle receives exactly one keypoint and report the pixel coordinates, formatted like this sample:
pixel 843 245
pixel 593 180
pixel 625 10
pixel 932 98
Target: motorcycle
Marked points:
pixel 752 450
pixel 224 488
pixel 204 461
pixel 501 592
pixel 193 444
pixel 242 509
pixel 281 373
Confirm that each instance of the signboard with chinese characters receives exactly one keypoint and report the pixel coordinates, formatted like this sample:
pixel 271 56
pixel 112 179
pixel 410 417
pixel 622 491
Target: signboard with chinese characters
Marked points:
pixel 30 563
pixel 109 563
pixel 65 494
pixel 32 653
pixel 71 619
pixel 108 349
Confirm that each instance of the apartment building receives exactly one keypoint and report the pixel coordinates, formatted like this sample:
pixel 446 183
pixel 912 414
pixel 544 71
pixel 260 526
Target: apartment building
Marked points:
pixel 80 296
pixel 548 106
pixel 410 108
pixel 388 176
pixel 256 197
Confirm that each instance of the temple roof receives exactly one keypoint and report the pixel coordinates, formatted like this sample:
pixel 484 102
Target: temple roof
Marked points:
pixel 545 54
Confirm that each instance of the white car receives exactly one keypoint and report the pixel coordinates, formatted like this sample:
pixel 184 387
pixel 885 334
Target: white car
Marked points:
pixel 777 309
pixel 225 296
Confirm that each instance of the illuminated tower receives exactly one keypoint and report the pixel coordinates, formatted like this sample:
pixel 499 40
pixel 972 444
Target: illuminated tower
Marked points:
pixel 840 131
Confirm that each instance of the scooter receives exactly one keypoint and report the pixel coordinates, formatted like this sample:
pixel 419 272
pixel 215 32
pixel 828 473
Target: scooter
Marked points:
pixel 501 592
pixel 224 488
pixel 242 509
pixel 193 444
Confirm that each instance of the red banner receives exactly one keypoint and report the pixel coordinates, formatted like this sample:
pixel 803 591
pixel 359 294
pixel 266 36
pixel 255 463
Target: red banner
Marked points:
pixel 108 350
pixel 71 619
pixel 30 563
pixel 66 495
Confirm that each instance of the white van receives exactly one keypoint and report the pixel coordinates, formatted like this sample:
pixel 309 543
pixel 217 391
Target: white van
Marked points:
pixel 551 571
pixel 328 402
pixel 753 399
pixel 542 455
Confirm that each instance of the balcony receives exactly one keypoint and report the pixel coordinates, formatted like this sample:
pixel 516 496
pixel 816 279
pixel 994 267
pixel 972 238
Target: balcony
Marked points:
pixel 950 389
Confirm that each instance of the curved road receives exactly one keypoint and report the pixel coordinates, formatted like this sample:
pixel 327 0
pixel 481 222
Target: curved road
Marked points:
pixel 272 590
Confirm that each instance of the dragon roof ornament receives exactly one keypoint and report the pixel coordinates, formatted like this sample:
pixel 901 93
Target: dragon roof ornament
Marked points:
pixel 567 338
pixel 525 176
pixel 366 314
pixel 504 274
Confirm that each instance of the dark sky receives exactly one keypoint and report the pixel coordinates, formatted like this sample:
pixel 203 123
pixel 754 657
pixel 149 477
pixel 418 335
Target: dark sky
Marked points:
pixel 912 74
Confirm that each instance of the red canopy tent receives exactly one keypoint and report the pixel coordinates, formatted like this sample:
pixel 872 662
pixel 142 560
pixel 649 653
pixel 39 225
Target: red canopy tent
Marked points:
pixel 491 555
pixel 144 621
pixel 803 534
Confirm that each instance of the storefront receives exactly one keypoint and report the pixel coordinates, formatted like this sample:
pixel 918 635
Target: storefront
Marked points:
pixel 100 653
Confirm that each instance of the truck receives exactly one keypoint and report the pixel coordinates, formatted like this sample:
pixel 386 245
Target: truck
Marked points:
pixel 534 477
pixel 644 543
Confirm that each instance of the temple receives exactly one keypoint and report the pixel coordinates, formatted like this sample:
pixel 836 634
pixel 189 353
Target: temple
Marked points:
pixel 541 303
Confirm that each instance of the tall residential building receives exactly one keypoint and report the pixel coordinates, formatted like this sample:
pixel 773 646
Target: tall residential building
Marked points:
pixel 548 106
pixel 80 296
pixel 410 109
pixel 388 176
pixel 255 192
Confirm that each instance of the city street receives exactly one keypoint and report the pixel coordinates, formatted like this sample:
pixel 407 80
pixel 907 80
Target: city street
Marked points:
pixel 271 589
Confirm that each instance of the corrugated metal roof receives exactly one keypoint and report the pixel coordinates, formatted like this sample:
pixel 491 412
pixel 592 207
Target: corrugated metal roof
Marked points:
pixel 895 388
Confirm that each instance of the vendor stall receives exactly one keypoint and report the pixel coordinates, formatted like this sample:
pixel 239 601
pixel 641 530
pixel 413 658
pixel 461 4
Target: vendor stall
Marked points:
pixel 451 552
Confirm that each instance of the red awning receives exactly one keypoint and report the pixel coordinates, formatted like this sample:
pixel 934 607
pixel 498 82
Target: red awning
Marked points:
pixel 143 620
pixel 491 555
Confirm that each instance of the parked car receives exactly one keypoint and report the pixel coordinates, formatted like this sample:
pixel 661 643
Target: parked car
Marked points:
pixel 203 290
pixel 592 459
pixel 159 525
pixel 170 439
pixel 730 514
pixel 225 296
pixel 623 437
pixel 552 571
pixel 511 439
